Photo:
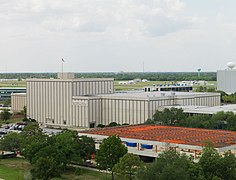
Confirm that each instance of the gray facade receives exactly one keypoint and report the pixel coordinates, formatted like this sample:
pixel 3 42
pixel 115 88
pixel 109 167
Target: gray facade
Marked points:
pixel 226 80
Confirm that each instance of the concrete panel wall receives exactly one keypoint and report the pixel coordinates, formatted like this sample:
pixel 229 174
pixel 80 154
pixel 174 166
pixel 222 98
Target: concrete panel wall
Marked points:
pixel 50 102
pixel 124 111
pixel 90 87
pixel 226 81
pixel 18 101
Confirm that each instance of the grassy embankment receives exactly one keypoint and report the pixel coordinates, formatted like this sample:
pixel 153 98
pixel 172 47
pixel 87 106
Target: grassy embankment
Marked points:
pixel 19 169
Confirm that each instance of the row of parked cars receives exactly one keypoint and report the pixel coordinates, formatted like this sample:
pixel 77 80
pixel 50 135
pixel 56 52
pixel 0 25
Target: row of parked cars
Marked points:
pixel 18 127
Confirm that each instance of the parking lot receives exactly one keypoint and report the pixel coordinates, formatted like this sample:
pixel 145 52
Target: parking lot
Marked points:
pixel 18 127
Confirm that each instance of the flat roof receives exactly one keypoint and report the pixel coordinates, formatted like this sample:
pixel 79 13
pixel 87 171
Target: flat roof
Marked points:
pixel 205 109
pixel 12 88
pixel 18 94
pixel 170 134
pixel 70 80
pixel 156 94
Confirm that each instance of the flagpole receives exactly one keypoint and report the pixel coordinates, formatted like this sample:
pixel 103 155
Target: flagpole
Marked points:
pixel 62 64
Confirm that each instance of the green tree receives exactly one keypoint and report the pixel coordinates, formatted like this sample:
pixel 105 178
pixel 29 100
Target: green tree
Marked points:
pixel 210 162
pixel 228 166
pixel 50 155
pixel 128 167
pixel 196 121
pixel 33 140
pixel 86 147
pixel 109 153
pixel 11 142
pixel 66 143
pixel 216 166
pixel 170 116
pixel 47 163
pixel 5 115
pixel 168 166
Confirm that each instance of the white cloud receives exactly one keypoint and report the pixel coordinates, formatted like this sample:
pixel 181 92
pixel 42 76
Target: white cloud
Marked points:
pixel 104 17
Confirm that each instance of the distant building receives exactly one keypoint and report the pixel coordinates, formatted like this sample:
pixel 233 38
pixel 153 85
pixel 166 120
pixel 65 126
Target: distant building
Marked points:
pixel 5 92
pixel 182 87
pixel 144 80
pixel 137 80
pixel 226 79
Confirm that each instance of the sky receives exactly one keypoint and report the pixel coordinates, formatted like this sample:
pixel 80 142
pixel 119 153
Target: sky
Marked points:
pixel 117 35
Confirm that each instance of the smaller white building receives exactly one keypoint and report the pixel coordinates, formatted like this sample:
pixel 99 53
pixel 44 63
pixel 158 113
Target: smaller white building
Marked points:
pixel 226 79
pixel 18 101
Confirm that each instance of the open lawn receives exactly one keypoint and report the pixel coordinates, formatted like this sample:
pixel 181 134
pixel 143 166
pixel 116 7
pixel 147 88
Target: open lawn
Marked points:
pixel 13 84
pixel 17 169
pixel 14 168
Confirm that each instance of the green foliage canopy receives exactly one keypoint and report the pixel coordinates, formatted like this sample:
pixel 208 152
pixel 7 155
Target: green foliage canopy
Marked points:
pixel 5 115
pixel 110 151
pixel 128 166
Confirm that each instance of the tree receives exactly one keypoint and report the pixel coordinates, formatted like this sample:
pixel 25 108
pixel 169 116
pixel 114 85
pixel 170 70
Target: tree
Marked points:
pixel 5 115
pixel 50 155
pixel 86 147
pixel 33 140
pixel 196 121
pixel 228 166
pixel 128 166
pixel 210 162
pixel 11 142
pixel 216 166
pixel 67 145
pixel 168 166
pixel 109 153
pixel 170 116
pixel 47 163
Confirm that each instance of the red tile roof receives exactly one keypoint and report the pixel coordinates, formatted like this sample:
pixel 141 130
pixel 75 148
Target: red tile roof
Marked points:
pixel 171 134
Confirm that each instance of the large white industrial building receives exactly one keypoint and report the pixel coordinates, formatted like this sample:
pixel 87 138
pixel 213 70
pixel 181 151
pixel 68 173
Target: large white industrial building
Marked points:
pixel 51 101
pixel 89 102
pixel 226 79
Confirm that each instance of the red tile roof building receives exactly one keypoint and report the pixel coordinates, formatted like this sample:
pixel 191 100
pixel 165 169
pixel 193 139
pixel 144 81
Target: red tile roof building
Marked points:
pixel 164 137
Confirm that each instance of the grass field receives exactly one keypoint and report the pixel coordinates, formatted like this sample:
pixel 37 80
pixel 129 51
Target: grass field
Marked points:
pixel 117 86
pixel 14 169
pixel 19 169
pixel 13 84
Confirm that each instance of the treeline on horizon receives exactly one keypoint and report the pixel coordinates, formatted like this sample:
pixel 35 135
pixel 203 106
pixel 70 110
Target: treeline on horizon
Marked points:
pixel 152 76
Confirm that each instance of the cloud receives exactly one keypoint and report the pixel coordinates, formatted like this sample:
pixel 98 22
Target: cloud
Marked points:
pixel 117 18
